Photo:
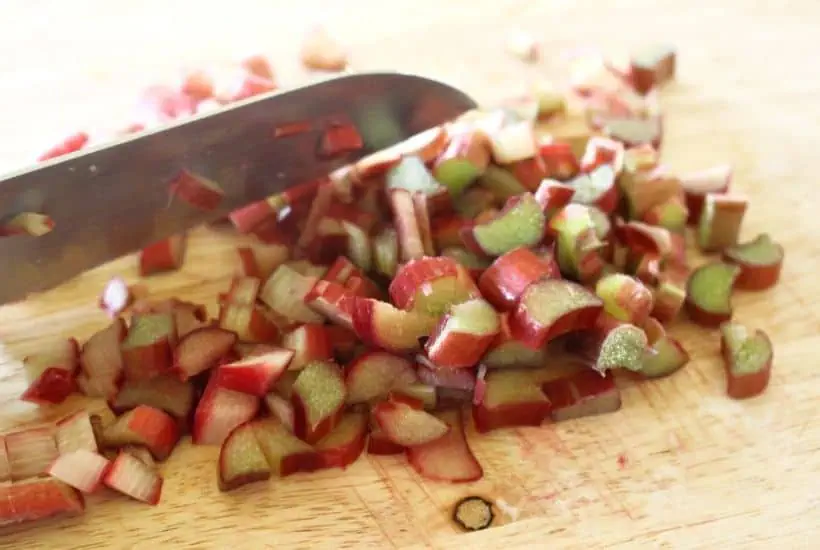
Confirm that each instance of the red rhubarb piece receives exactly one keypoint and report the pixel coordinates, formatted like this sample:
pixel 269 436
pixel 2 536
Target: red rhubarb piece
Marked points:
pixel 747 357
pixel 197 191
pixel 165 392
pixel 380 324
pixel 220 411
pixel 146 426
pixel 37 498
pixel 51 375
pixel 81 469
pixel 431 285
pixel 318 398
pixel 406 426
pixel 30 451
pixel 584 393
pixel 164 255
pixel 255 374
pixel 374 374
pixel 202 349
pixel 709 293
pixel 463 335
pixel 512 397
pixel 147 349
pixel 448 458
pixel 510 274
pixel 760 261
pixel 101 360
pixel 132 477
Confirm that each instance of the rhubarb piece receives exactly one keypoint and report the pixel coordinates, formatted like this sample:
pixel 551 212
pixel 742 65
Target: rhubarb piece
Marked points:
pixel 560 159
pixel 339 138
pixel 321 51
pixel 470 204
pixel 187 316
pixel 513 142
pixel 512 397
pixel 423 395
pixel 254 375
pixel 448 458
pixel 645 188
pixel 501 183
pixel 458 380
pixel 341 270
pixel 342 446
pixel 747 357
pixel 651 67
pixel 507 351
pixel 463 334
pixel 318 398
pixel 625 298
pixel 333 301
pixel 30 451
pixel 241 460
pixel 101 360
pixel 463 161
pixel 510 274
pixel 280 408
pixel 308 342
pixel 552 307
pixel 670 214
pixel 307 269
pixel 74 142
pixel 584 393
pixel 709 293
pixel 147 349
pixel 612 345
pixel 284 292
pixel 421 208
pixel 164 255
pixel 601 151
pixel 553 195
pixel 697 185
pixel 407 226
pixel 670 294
pixel 165 392
pixel 202 349
pixel 358 246
pixel 665 356
pixel 250 323
pixel 633 132
pixel 116 296
pixel 597 188
pixel 412 176
pixel 220 411
pixel 642 238
pixel 406 426
pixel 141 453
pixel 132 477
pixel 51 375
pixel 199 192
pixel 473 513
pixel 578 245
pixel 75 432
pixel 378 444
pixel 374 374
pixel 243 291
pixel 330 240
pixel 520 223
pixel 386 252
pixel 32 224
pixel 81 469
pixel 530 172
pixel 474 263
pixel 382 325
pixel 35 499
pixel 146 426
pixel 261 261
pixel 760 261
pixel 285 453
pixel 431 285
pixel 719 225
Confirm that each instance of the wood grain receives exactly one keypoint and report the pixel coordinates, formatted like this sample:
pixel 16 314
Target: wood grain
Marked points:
pixel 680 466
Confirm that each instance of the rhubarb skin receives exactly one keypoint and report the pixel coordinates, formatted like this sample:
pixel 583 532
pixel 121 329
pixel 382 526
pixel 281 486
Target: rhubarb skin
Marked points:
pixel 197 191
pixel 448 458
pixel 719 308
pixel 101 360
pixel 164 392
pixel 309 342
pixel 463 335
pixel 147 426
pixel 503 283
pixel 747 358
pixel 760 261
pixel 220 411
pixel 507 351
pixel 511 398
pixel 520 223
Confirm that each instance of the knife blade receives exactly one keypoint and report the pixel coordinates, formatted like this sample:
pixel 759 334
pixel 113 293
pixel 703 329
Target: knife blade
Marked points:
pixel 112 200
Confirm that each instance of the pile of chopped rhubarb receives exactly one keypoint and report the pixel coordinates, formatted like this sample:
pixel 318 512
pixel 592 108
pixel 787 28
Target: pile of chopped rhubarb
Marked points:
pixel 475 273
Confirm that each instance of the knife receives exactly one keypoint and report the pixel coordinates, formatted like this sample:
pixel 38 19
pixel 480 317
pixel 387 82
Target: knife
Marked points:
pixel 113 199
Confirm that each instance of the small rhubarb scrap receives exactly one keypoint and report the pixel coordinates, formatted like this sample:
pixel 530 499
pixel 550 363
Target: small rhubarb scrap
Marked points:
pixel 382 325
pixel 520 223
pixel 760 261
pixel 37 498
pixel 162 256
pixel 747 356
pixel 625 298
pixel 146 426
pixel 197 191
pixel 51 375
pixel 146 350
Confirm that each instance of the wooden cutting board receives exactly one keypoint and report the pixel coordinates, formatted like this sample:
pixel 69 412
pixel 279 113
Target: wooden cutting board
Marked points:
pixel 680 466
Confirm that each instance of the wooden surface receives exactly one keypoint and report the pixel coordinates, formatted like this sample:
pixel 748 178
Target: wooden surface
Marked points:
pixel 680 466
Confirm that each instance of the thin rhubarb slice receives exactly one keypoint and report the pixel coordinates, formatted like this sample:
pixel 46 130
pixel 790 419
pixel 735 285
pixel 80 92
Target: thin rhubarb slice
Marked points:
pixel 747 356
pixel 760 261
pixel 552 307
pixel 463 334
pixel 520 223
pixel 342 446
pixel 254 375
pixel 431 285
pixel 709 293
pixel 380 324
pixel 132 477
pixel 202 349
pixel 30 451
pixel 146 426
pixel 51 375
pixel 584 393
pixel 448 458
pixel 512 397
pixel 36 499
pixel 241 460
pixel 318 398
pixel 697 185
pixel 164 392
pixel 406 426
pixel 503 283
pixel 285 453
pixel 720 221
pixel 220 411
pixel 147 349
pixel 374 374
pixel 101 360
pixel 625 298
pixel 284 292
pixel 82 469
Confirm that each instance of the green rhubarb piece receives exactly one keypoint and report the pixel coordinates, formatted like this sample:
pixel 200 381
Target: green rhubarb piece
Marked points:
pixel 358 246
pixel 749 351
pixel 761 250
pixel 386 252
pixel 501 183
pixel 148 329
pixel 520 223
pixel 671 214
pixel 710 287
pixel 456 174
pixel 623 347
pixel 720 220
pixel 610 290
pixel 664 357
pixel 465 258
pixel 473 202
pixel 577 236
pixel 411 174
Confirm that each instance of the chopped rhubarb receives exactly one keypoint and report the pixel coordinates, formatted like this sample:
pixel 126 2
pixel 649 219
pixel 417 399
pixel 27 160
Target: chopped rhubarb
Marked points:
pixel 30 451
pixel 241 459
pixel 220 411
pixel 202 349
pixel 578 246
pixel 406 426
pixel 321 51
pixel 76 432
pixel 612 345
pixel 431 285
pixel 513 142
pixel 463 334
pixel 448 458
pixel 285 453
pixel 27 223
pixel 101 360
pixel 146 426
pixel 165 392
pixel 501 183
pixel 633 132
pixel 665 356
pixel 597 188
pixel 132 477
pixel 670 214
pixel 284 292
pixel 375 373
pixel 308 342
pixel 82 469
pixel 386 252
pixel 199 192
pixel 250 323
pixel 747 356
pixel 407 225
pixel 625 298
pixel 164 255
pixel 642 238
pixel 720 220
pixel 341 270
pixel 507 351
pixel 342 446
pixel 530 172
pixel 512 397
pixel 243 291
pixel 37 498
pixel 411 175
pixel 697 185
pixel 280 408
pixel 520 223
pixel 51 375
pixel 382 325
pixel 463 161
pixel 474 263
pixel 709 293
pixel 760 261
pixel 651 67
pixel 552 307
pixel 473 513
pixel 510 274
pixel 358 246
pixel 670 294
pixel 584 393
pixel 255 374
pixel 147 349
pixel 318 398
pixel 333 301
pixel 470 204
pixel 560 160
pixel 553 195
